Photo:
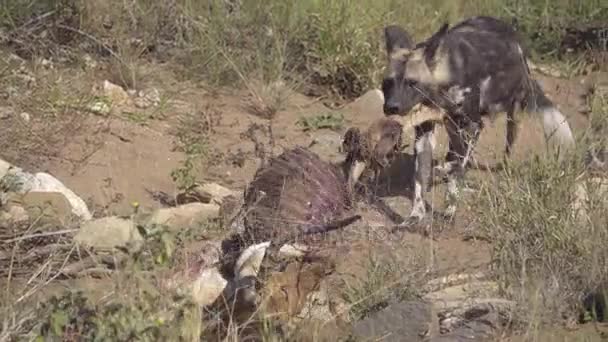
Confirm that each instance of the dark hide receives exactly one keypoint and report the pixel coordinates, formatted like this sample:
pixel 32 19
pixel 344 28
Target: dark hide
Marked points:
pixel 295 194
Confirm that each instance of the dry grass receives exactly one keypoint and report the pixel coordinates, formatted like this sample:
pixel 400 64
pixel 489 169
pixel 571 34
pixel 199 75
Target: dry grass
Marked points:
pixel 549 255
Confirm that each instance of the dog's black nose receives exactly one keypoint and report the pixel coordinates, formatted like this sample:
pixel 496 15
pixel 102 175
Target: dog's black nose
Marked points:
pixel 391 108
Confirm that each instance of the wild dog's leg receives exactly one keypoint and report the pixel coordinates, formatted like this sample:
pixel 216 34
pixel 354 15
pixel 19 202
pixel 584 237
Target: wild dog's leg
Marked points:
pixel 512 130
pixel 423 152
pixel 464 128
pixel 463 137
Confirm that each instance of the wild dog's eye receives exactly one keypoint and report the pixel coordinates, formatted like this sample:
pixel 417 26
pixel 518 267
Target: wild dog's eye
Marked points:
pixel 410 83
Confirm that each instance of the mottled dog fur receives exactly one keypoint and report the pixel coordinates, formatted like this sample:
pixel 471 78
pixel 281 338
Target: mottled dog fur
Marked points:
pixel 473 69
pixel 373 149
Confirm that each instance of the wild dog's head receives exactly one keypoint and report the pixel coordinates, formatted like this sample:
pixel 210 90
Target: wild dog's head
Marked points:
pixel 411 69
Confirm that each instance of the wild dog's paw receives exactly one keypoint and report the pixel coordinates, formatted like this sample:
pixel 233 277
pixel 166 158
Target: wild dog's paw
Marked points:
pixel 447 216
pixel 408 224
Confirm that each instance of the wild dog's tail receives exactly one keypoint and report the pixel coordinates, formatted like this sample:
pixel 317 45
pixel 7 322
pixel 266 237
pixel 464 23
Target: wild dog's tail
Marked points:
pixel 555 124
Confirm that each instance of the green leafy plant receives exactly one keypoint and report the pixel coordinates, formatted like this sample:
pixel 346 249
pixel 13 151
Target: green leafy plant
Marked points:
pixel 333 121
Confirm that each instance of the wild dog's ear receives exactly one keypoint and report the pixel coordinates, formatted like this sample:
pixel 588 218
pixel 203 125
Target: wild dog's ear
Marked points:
pixel 433 42
pixel 396 37
pixel 351 144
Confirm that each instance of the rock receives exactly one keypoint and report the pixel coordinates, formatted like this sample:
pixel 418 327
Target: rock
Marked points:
pixel 369 104
pixel 100 107
pixel 327 144
pixel 107 233
pixel 209 286
pixel 216 192
pixel 6 112
pixel 16 214
pixel 470 309
pixel 185 216
pixel 25 117
pixel 45 207
pixel 48 183
pixel 452 280
pixel 582 195
pixel 205 193
pixel 4 166
pixel 116 94
pixel 147 98
pixel 20 182
pixel 459 296
pixel 89 62
pixel 403 321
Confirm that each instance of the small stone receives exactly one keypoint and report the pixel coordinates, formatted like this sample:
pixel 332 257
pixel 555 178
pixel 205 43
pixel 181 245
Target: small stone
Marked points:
pixel 46 207
pixel 403 321
pixel 369 103
pixel 108 233
pixel 46 63
pixel 4 166
pixel 185 216
pixel 100 107
pixel 116 94
pixel 25 117
pixel 89 62
pixel 215 192
pixel 208 286
pixel 148 98
pixel 6 112
pixel 17 214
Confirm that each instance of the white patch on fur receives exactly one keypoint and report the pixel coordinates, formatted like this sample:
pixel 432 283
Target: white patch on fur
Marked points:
pixel 418 208
pixel 452 194
pixel 556 128
pixel 457 94
pixel 427 138
pixel 355 172
pixel 442 72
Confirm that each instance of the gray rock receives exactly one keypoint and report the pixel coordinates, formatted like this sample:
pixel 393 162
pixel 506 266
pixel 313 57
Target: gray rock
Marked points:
pixel 115 93
pixel 369 104
pixel 185 216
pixel 327 144
pixel 6 112
pixel 147 98
pixel 15 214
pixel 20 182
pixel 107 233
pixel 4 166
pixel 26 117
pixel 404 321
pixel 44 207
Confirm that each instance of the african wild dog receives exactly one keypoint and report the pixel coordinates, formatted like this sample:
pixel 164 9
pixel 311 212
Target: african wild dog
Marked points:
pixel 473 69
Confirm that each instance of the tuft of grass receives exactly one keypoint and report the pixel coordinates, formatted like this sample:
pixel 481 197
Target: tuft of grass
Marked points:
pixel 382 284
pixel 192 135
pixel 331 120
pixel 548 240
